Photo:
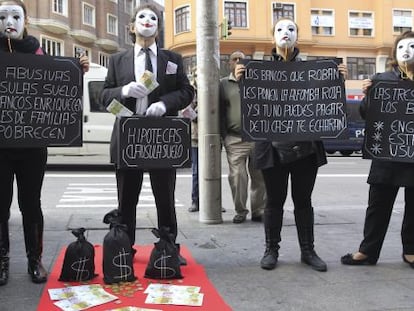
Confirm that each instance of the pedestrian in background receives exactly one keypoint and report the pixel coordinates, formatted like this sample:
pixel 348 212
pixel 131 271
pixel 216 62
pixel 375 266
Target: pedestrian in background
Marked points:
pixel 280 159
pixel 173 94
pixel 192 114
pixel 387 177
pixel 27 165
pixel 239 153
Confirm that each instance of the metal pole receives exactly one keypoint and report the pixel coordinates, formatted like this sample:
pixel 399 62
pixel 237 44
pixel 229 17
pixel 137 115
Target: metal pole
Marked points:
pixel 208 62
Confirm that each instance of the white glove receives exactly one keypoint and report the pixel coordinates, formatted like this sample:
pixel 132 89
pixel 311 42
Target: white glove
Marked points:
pixel 156 109
pixel 134 89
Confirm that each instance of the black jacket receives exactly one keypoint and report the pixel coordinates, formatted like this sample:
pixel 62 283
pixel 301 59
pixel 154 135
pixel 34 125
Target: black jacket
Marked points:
pixel 388 172
pixel 174 88
pixel 266 154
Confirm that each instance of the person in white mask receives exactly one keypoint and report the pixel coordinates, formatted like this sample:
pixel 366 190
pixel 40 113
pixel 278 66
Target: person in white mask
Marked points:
pixel 25 164
pixel 174 93
pixel 387 177
pixel 279 160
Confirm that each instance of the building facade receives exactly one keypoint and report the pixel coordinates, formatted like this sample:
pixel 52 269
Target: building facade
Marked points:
pixel 98 28
pixel 360 32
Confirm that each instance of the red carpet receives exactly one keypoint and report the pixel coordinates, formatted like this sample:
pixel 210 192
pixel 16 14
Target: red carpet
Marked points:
pixel 194 274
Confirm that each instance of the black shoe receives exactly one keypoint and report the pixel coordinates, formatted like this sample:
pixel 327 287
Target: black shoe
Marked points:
pixel 257 218
pixel 37 272
pixel 269 259
pixel 312 259
pixel 348 259
pixel 181 259
pixel 194 208
pixel 223 210
pixel 238 219
pixel 410 263
pixel 4 270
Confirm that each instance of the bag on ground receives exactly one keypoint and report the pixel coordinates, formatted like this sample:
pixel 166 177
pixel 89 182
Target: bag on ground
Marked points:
pixel 79 260
pixel 163 262
pixel 117 251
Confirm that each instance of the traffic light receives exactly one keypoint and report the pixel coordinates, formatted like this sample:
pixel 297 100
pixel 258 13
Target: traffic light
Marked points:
pixel 225 28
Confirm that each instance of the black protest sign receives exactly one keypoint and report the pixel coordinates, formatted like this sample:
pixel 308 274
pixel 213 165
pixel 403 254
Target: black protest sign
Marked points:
pixel 40 101
pixel 150 142
pixel 389 126
pixel 292 100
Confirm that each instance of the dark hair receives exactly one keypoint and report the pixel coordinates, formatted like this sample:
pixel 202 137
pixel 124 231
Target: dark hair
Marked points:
pixel 23 6
pixel 404 35
pixel 151 7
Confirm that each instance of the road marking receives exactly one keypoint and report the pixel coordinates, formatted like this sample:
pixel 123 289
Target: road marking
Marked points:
pixel 187 176
pixel 81 194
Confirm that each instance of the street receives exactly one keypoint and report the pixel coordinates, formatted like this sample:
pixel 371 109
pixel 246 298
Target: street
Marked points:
pixel 229 252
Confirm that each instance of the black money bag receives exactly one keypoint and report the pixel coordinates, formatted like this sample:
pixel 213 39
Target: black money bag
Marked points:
pixel 79 260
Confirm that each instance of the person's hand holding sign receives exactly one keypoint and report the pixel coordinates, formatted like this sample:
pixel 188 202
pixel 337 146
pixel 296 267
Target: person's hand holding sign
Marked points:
pixel 84 61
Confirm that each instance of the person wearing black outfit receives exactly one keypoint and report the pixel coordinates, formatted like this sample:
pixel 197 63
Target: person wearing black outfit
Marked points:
pixel 386 177
pixel 280 159
pixel 174 93
pixel 27 165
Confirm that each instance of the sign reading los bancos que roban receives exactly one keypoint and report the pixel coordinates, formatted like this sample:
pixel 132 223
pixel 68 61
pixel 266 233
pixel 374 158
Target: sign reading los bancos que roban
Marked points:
pixel 389 127
pixel 40 101
pixel 151 142
pixel 292 100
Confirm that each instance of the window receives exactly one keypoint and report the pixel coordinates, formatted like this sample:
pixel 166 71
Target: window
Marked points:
pixel 60 7
pixel 361 24
pixel 112 25
pixel 88 15
pixel 79 50
pixel 322 22
pixel 52 46
pixel 310 57
pixel 280 10
pixel 236 12
pixel 402 20
pixel 103 59
pixel 182 19
pixel 360 68
pixel 95 89
pixel 128 39
pixel 128 6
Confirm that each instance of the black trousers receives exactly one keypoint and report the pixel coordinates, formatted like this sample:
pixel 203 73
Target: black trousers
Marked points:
pixel 378 214
pixel 129 182
pixel 302 176
pixel 28 165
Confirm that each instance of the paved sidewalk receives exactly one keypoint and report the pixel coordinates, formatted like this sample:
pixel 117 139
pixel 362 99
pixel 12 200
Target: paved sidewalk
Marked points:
pixel 231 253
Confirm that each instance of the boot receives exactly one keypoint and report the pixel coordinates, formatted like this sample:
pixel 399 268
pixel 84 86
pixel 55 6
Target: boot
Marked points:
pixel 4 253
pixel 181 259
pixel 304 225
pixel 33 236
pixel 272 224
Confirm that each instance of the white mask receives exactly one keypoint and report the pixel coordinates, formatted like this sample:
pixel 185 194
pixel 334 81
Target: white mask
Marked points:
pixel 405 51
pixel 286 34
pixel 146 23
pixel 12 21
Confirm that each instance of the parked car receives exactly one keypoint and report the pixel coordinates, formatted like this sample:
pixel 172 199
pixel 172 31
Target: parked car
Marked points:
pixel 97 121
pixel 354 135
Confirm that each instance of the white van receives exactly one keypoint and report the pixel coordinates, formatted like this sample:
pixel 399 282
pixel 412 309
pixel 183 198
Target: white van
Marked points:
pixel 97 121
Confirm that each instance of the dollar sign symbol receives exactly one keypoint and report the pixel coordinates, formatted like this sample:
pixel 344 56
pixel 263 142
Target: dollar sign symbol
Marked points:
pixel 79 268
pixel 121 262
pixel 162 266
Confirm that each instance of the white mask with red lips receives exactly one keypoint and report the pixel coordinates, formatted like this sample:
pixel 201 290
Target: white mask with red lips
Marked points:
pixel 146 23
pixel 405 51
pixel 12 21
pixel 286 34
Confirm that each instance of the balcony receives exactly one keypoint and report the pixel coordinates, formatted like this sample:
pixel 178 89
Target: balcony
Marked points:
pixel 108 45
pixel 83 36
pixel 51 25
